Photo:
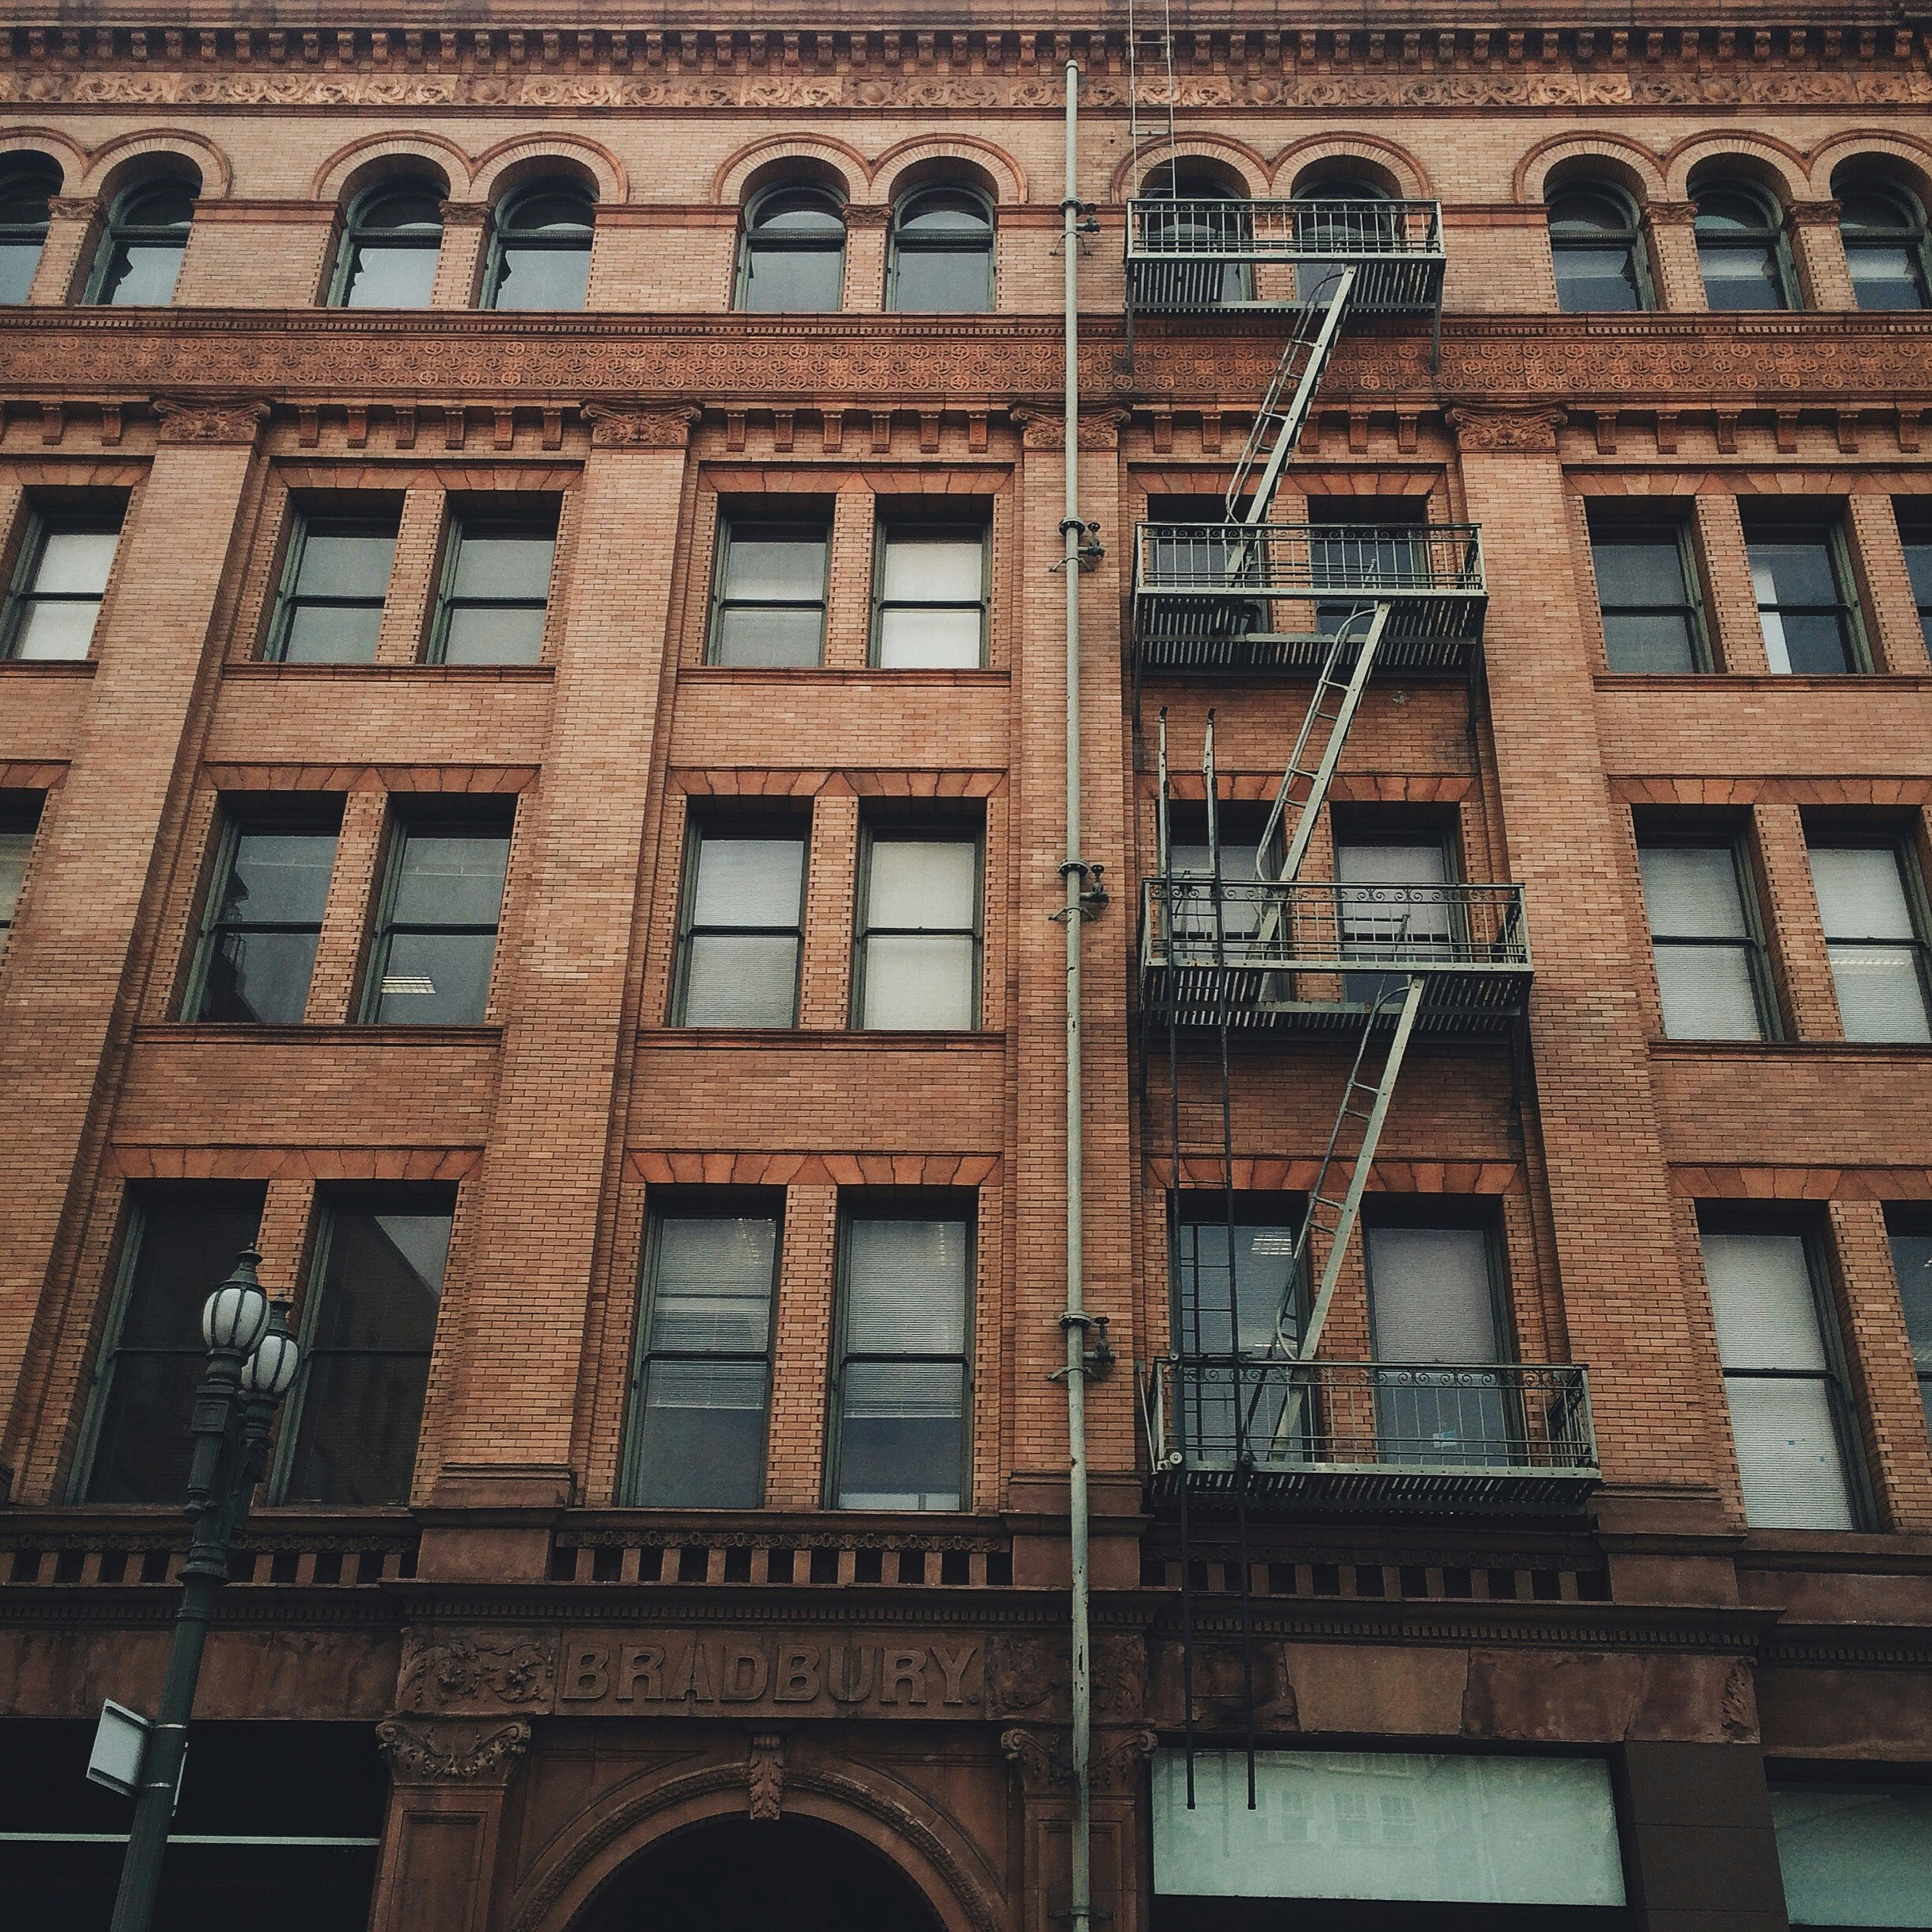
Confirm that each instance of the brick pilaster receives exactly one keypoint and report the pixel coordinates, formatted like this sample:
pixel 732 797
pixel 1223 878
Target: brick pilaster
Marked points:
pixel 801 1348
pixel 1804 968
pixel 1731 608
pixel 1891 623
pixel 824 990
pixel 413 578
pixel 335 982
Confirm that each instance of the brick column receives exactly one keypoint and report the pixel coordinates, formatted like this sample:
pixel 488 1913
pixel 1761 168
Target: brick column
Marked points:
pixel 865 259
pixel 335 979
pixel 448 1780
pixel 67 1000
pixel 72 224
pixel 1699 1846
pixel 1803 967
pixel 801 1348
pixel 555 1141
pixel 1671 243
pixel 1897 637
pixel 825 986
pixel 1818 248
pixel 1625 1303
pixel 1738 636
pixel 459 264
pixel 413 577
pixel 848 591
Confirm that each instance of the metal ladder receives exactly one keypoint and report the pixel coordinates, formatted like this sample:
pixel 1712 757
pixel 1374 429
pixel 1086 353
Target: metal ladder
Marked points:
pixel 1277 430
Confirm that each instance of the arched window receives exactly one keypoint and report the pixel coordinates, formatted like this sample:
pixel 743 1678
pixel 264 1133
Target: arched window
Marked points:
pixel 140 255
pixel 1884 231
pixel 388 257
pixel 794 254
pixel 27 182
pixel 540 250
pixel 1344 214
pixel 1597 242
pixel 1741 248
pixel 942 252
pixel 1208 219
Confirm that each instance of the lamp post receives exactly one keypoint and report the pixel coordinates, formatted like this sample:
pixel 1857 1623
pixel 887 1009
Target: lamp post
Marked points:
pixel 251 1361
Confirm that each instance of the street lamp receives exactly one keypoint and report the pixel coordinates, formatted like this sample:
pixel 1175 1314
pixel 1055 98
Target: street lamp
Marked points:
pixel 252 1358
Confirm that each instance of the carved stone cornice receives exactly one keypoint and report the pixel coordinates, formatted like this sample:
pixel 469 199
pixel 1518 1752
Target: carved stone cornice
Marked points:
pixel 660 427
pixel 1529 431
pixel 443 1751
pixel 225 419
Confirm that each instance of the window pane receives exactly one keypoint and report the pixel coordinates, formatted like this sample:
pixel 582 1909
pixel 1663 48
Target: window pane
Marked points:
pixel 1655 640
pixel 1262 1257
pixel 19 260
pixel 51 632
pixel 911 640
pixel 16 849
pixel 1761 1297
pixel 925 983
pixel 142 1453
pixel 1861 892
pixel 1708 992
pixel 1855 1854
pixel 1638 570
pixel 1590 279
pixel 262 977
pixel 1919 567
pixel 383 1282
pixel 1794 570
pixel 701 1435
pixel 1885 275
pixel 741 979
pixel 1788 1454
pixel 332 634
pixel 902 1437
pixel 382 276
pixel 494 633
pixel 906 1286
pixel 1812 644
pixel 775 567
pixel 953 281
pixel 1692 892
pixel 436 979
pixel 713 1285
pixel 278 877
pixel 345 564
pixel 142 275
pixel 543 277
pixel 501 567
pixel 749 882
pixel 75 561
pixel 770 639
pixel 450 879
pixel 1881 996
pixel 925 884
pixel 1429 1298
pixel 361 1417
pixel 936 569
pixel 187 1249
pixel 781 280
pixel 1911 1262
pixel 1742 278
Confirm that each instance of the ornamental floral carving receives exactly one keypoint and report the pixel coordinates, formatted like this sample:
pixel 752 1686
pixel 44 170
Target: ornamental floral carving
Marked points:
pixel 441 1753
pixel 1528 432
pixel 210 422
pixel 619 426
pixel 1043 429
pixel 764 1776
pixel 438 1674
pixel 1039 1756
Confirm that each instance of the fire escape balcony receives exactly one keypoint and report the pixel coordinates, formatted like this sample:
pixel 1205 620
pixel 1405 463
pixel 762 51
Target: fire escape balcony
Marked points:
pixel 1210 256
pixel 1407 1437
pixel 1314 956
pixel 1234 600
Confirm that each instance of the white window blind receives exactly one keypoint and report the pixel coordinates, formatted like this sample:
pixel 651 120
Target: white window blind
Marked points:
pixel 1702 942
pixel 1875 954
pixel 1429 1298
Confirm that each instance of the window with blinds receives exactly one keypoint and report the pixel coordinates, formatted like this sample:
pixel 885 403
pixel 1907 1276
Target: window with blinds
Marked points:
pixel 741 934
pixel 899 1390
pixel 1878 956
pixel 1911 1264
pixel 1710 967
pixel 918 936
pixel 1788 1416
pixel 1389 894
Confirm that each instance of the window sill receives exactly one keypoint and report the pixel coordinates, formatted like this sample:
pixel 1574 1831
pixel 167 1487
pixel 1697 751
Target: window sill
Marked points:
pixel 837 674
pixel 765 1039
pixel 50 667
pixel 1808 1546
pixel 248 668
pixel 1761 680
pixel 321 1033
pixel 1796 1049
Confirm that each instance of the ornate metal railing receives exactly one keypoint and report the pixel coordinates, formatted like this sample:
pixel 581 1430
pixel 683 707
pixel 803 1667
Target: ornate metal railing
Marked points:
pixel 1186 256
pixel 1333 1434
pixel 1267 597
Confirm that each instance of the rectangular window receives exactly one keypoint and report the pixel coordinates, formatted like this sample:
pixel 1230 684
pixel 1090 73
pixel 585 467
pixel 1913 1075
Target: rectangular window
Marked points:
pixel 178 1248
pixel 1866 901
pixel 1364 544
pixel 1915 533
pixel 1710 965
pixel 899 1394
pixel 436 939
pixel 1911 1262
pixel 1787 1400
pixel 702 1384
pixel 334 584
pixel 743 929
pixel 918 937
pixel 930 603
pixel 768 608
pixel 1854 1854
pixel 1647 590
pixel 58 584
pixel 1390 897
pixel 1805 603
pixel 18 824
pixel 368 1321
pixel 1192 915
pixel 263 919
pixel 495 589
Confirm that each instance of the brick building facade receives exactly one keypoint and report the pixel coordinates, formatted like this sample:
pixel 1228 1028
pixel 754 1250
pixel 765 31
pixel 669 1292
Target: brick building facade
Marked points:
pixel 532 750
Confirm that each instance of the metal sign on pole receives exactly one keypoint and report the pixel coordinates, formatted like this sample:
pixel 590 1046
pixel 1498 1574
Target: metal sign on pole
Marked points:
pixel 120 1740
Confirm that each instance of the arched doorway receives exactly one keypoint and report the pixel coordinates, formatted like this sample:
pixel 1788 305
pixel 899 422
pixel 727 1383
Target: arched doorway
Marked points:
pixel 731 1875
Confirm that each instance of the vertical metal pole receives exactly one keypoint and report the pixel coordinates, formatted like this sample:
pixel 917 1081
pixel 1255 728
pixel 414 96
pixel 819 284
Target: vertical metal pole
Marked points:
pixel 1075 1321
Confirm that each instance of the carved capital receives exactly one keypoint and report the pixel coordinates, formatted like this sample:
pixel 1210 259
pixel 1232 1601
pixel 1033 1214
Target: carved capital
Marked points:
pixel 465 214
pixel 442 1751
pixel 229 420
pixel 1040 1757
pixel 1528 431
pixel 1816 214
pixel 72 207
pixel 867 215
pixel 764 1776
pixel 1116 1765
pixel 615 425
pixel 1681 213
pixel 1043 429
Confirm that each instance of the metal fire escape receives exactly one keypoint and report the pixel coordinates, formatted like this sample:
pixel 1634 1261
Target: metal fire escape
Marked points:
pixel 1250 949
